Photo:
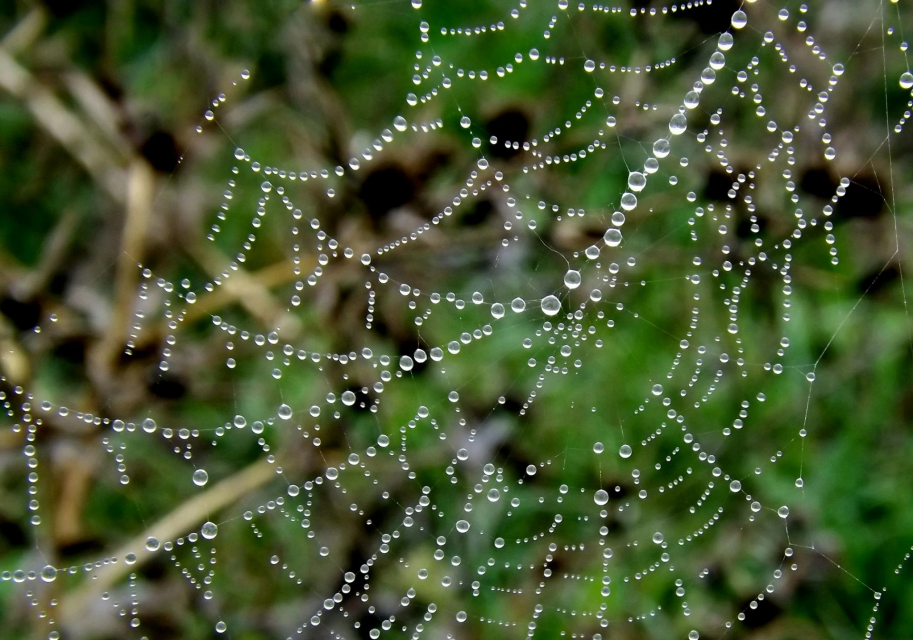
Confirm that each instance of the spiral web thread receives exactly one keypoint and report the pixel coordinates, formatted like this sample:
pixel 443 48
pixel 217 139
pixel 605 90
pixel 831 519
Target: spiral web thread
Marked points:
pixel 477 541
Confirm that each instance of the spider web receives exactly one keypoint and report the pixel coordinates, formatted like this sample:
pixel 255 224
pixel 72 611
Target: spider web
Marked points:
pixel 561 450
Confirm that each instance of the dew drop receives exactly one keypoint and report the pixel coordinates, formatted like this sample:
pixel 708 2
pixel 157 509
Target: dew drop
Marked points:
pixel 49 573
pixel 612 237
pixel 624 451
pixel 209 530
pixel 497 311
pixel 399 123
pixel 739 19
pixel 285 412
pixel 906 80
pixel 601 497
pixel 783 511
pixel 550 305
pixel 572 279
pixel 518 305
pixel 735 486
pixel 152 544
pixel 657 538
pixel 462 526
pixel 200 477
pixel 661 148
pixel 657 389
pixel 636 181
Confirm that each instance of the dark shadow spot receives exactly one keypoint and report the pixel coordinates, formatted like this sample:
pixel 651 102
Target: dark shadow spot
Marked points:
pixel 167 386
pixel 161 150
pixel 511 125
pixel 766 612
pixel 25 315
pixel 12 534
pixel 818 182
pixel 337 23
pixel 81 548
pixel 73 351
pixel 478 214
pixel 879 280
pixel 863 199
pixel 384 189
pixel 718 186
pixel 710 18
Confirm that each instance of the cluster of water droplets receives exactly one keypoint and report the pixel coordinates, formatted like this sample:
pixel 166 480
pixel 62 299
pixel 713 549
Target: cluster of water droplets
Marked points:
pixel 564 330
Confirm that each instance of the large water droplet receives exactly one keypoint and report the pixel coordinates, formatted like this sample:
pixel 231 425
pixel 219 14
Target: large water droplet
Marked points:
pixel 661 148
pixel 783 511
pixel 572 279
pixel 612 237
pixel 906 80
pixel 657 389
pixel 678 124
pixel 739 19
pixel 49 573
pixel 200 477
pixel 399 123
pixel 550 305
pixel 462 526
pixel 735 486
pixel 636 181
pixel 657 538
pixel 152 544
pixel 285 411
pixel 209 530
pixel 624 451
pixel 601 497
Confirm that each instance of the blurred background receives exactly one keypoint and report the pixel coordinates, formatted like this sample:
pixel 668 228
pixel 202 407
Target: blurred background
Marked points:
pixel 107 162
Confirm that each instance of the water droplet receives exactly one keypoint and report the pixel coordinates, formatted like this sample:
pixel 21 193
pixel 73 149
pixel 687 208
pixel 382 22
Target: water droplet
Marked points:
pixel 735 486
pixel 461 616
pixel 601 497
pixel 783 511
pixel 494 495
pixel 209 530
pixel 624 451
pixel 416 4
pixel 200 477
pixel 598 447
pixel 285 412
pixel 152 544
pixel 332 473
pixel 465 122
pixel 678 124
pixel 550 305
pixel 906 80
pixel 739 19
pixel 572 279
pixel 636 181
pixel 399 123
pixel 589 66
pixel 497 311
pixel 221 627
pixel 149 425
pixel 462 526
pixel 693 635
pixel 657 389
pixel 49 573
pixel 612 237
pixel 657 538
pixel 725 41
pixel 348 398
pixel 531 470
pixel 661 148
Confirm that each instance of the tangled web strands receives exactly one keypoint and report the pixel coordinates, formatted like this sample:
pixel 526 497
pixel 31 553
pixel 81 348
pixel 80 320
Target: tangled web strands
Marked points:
pixel 544 479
